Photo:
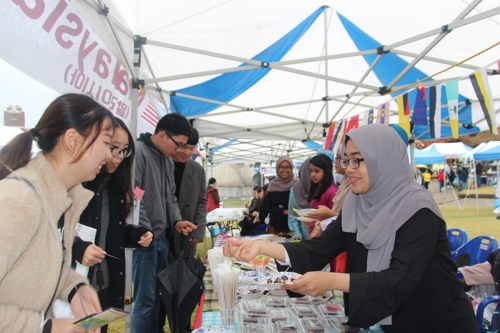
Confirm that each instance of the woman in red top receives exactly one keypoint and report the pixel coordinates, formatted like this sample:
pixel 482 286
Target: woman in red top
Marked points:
pixel 212 195
pixel 440 178
pixel 323 189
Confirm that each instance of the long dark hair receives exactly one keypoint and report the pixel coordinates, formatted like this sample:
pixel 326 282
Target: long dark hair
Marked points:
pixel 123 173
pixel 76 111
pixel 325 163
pixel 263 189
pixel 124 170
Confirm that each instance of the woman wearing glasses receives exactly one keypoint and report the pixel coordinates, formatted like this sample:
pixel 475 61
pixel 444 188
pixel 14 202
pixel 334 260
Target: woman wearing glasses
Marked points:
pixel 278 193
pixel 107 212
pixel 399 270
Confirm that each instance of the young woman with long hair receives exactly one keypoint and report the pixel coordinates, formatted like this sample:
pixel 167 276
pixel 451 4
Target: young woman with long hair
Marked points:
pixel 107 212
pixel 40 202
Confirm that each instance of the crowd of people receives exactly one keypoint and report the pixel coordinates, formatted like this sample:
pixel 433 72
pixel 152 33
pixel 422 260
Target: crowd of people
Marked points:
pixel 381 233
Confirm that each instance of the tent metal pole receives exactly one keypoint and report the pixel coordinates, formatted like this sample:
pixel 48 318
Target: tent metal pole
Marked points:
pixel 199 74
pixel 326 64
pixel 118 42
pixel 133 130
pixel 453 25
pixel 348 97
pixel 326 57
pixel 434 59
pixel 436 40
pixel 323 77
pixel 207 53
pixel 158 88
pixel 239 128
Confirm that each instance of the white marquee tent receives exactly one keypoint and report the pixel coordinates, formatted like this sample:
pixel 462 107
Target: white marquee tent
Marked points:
pixel 186 43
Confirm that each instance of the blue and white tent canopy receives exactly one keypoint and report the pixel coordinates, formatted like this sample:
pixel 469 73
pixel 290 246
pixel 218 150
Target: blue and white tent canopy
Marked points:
pixel 486 152
pixel 278 70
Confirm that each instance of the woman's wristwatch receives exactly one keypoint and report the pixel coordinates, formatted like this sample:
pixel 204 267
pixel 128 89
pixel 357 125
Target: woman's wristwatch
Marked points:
pixel 318 225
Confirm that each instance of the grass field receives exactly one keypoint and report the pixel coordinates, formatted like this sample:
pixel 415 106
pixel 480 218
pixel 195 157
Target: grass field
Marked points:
pixel 484 223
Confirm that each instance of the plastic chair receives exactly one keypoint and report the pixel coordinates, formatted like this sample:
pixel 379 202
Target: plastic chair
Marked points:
pixel 480 311
pixel 474 251
pixel 261 229
pixel 457 237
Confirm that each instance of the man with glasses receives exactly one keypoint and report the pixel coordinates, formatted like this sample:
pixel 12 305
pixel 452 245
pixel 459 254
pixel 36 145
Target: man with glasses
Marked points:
pixel 192 200
pixel 159 212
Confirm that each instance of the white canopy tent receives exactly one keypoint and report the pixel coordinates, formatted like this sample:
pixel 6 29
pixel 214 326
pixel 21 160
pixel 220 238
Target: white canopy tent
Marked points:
pixel 450 149
pixel 187 43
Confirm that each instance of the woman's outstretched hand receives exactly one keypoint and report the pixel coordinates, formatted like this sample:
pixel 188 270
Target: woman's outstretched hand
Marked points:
pixel 317 283
pixel 243 250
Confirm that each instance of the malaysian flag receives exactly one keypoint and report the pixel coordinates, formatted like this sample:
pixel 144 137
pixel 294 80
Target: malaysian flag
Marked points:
pixel 138 193
pixel 150 115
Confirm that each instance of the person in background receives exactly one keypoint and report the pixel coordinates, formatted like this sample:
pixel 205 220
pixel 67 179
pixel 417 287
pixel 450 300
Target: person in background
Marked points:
pixel 159 212
pixel 252 204
pixel 212 195
pixel 426 176
pixel 40 202
pixel 262 195
pixel 276 202
pixel 299 195
pixel 191 195
pixel 479 173
pixel 323 190
pixel 440 179
pixel 107 213
pixel 398 255
pixel 248 225
pixel 192 201
pixel 463 177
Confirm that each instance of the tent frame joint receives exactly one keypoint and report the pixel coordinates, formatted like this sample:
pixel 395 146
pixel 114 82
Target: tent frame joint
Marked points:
pixel 445 28
pixel 264 64
pixel 384 90
pixel 326 99
pixel 138 83
pixel 381 51
pixel 139 41
pixel 104 11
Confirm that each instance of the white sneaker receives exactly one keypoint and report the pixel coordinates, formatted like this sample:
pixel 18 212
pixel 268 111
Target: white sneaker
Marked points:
pixel 496 211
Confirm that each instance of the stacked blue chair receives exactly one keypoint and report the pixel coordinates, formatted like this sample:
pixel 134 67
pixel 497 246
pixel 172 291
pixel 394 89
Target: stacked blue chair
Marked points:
pixel 261 229
pixel 457 237
pixel 474 251
pixel 493 324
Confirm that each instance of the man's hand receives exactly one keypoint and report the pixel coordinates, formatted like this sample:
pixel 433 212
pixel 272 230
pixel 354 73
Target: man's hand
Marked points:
pixel 185 227
pixel 193 241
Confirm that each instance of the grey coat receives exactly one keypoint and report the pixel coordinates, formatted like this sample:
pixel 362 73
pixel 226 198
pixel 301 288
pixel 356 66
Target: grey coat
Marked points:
pixel 192 202
pixel 154 173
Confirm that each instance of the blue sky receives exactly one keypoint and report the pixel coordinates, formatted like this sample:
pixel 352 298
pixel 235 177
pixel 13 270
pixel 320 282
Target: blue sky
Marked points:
pixel 19 89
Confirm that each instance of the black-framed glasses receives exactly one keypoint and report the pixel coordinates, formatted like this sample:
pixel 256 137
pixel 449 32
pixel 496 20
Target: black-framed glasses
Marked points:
pixel 353 162
pixel 117 152
pixel 178 146
pixel 285 168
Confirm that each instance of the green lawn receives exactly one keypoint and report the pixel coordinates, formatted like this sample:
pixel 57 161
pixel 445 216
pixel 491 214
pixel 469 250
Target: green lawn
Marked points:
pixel 484 223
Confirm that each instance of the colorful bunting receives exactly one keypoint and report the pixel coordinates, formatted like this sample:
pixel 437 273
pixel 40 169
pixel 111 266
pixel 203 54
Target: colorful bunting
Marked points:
pixel 419 116
pixel 353 124
pixel 435 111
pixel 483 92
pixel 337 137
pixel 452 96
pixel 329 136
pixel 404 113
pixel 383 114
pixel 367 118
